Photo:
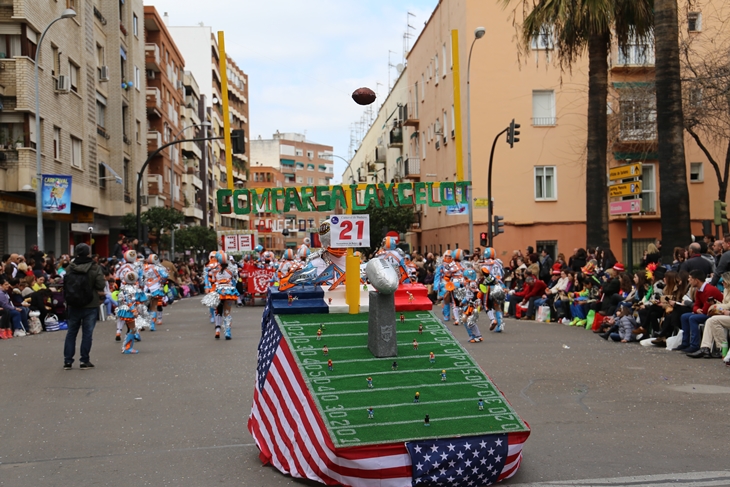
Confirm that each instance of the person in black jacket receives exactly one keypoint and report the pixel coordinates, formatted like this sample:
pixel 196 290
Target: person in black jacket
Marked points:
pixel 696 261
pixel 579 260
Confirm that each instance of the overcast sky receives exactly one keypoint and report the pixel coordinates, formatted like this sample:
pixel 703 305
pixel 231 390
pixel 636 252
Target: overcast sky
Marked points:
pixel 305 58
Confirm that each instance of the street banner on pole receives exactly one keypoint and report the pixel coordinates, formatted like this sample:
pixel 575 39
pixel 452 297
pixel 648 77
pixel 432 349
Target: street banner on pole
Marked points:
pixel 625 172
pixel 56 193
pixel 625 207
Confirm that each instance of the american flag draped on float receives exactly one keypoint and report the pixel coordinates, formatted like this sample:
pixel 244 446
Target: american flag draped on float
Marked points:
pixel 290 434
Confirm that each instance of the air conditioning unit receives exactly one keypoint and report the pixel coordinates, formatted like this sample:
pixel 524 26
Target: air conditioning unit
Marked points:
pixel 180 85
pixel 63 84
pixel 144 200
pixel 151 74
pixel 104 73
pixel 438 146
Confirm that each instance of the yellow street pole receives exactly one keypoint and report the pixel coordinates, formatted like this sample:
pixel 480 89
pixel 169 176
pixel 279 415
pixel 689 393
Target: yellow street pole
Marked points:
pixel 352 269
pixel 457 107
pixel 226 115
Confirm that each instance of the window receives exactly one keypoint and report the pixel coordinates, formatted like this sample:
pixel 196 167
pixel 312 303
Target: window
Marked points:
pixel 302 225
pixel 696 172
pixel 436 68
pixel 56 61
pixel 648 189
pixel 638 52
pixel 73 72
pixel 300 152
pixel 543 41
pixel 423 87
pixel 31 43
pixel 300 179
pixel 10 45
pixel 545 187
pixel 453 122
pixel 123 62
pixel 76 152
pixel 446 127
pixel 423 146
pixel 694 21
pixel 443 59
pixel 127 177
pixel 56 143
pixel 695 97
pixel 138 132
pixel 102 176
pixel 71 4
pixel 100 110
pixel 310 181
pixel 135 25
pixel 638 116
pixel 543 108
pixel 137 82
pixel 310 155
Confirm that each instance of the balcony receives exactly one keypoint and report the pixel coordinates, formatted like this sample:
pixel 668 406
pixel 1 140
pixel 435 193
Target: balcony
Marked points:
pixel 97 14
pixel 395 137
pixel 410 118
pixel 192 180
pixel 544 121
pixel 635 57
pixel 154 140
pixel 194 211
pixel 8 157
pixel 154 102
pixel 152 57
pixel 412 167
pixel 192 165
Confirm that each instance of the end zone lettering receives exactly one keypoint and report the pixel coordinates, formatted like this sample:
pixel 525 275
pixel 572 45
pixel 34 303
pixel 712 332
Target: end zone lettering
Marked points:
pixel 325 198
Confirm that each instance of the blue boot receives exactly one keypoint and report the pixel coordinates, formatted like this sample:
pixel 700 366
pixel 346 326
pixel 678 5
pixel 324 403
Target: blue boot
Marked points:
pixel 128 344
pixel 227 322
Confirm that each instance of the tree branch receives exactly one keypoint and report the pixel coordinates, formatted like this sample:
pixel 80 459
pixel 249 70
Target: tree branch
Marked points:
pixel 707 153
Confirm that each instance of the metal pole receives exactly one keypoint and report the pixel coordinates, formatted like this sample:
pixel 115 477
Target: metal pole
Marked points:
pixel 490 209
pixel 629 243
pixel 38 166
pixel 141 172
pixel 469 192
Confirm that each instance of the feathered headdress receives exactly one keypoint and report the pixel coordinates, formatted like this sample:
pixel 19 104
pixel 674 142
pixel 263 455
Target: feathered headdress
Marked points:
pixel 650 271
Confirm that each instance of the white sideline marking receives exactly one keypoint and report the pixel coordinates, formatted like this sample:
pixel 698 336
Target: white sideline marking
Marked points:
pixel 693 479
pixel 403 344
pixel 419 357
pixel 445 401
pixel 398 388
pixel 432 420
pixel 433 371
pixel 327 323
pixel 400 332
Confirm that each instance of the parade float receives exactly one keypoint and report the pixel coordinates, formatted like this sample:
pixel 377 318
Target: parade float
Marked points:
pixel 358 382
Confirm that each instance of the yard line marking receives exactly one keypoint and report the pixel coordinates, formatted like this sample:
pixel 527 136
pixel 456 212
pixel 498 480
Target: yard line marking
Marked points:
pixel 369 360
pixel 327 323
pixel 365 346
pixel 388 406
pixel 401 332
pixel 364 375
pixel 432 420
pixel 400 388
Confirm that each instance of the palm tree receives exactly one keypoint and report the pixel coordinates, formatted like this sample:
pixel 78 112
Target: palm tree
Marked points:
pixel 674 194
pixel 577 25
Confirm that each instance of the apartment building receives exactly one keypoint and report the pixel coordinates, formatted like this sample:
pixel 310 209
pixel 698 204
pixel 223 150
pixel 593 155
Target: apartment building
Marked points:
pixel 539 185
pixel 92 117
pixel 302 163
pixel 192 153
pixel 199 46
pixel 268 225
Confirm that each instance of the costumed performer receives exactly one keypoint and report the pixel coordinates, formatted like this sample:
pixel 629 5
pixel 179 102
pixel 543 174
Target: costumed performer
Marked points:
pixel 155 277
pixel 225 286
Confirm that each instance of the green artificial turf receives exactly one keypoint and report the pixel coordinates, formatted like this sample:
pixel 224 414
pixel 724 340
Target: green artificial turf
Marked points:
pixel 343 397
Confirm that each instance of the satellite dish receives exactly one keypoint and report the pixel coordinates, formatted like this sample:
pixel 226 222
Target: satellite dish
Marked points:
pixel 399 68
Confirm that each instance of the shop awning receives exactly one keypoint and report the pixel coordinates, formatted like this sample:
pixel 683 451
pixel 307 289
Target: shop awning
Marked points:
pixel 287 162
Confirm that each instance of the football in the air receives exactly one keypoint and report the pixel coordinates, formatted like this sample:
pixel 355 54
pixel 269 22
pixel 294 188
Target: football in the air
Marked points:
pixel 363 96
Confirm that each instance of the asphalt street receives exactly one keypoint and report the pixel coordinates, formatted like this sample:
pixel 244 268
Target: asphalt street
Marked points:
pixel 175 414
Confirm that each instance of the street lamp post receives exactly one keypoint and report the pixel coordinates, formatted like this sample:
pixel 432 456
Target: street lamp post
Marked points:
pixel 478 34
pixel 67 14
pixel 349 166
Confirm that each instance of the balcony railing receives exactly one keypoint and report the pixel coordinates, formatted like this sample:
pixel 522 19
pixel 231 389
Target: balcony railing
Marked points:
pixel 152 57
pixel 412 166
pixel 97 14
pixel 544 121
pixel 411 114
pixel 102 131
pixel 154 140
pixel 636 55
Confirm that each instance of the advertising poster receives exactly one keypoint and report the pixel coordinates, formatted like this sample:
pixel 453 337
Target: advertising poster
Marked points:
pixel 56 193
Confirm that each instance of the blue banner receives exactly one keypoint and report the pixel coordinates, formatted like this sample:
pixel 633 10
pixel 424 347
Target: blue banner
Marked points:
pixel 56 193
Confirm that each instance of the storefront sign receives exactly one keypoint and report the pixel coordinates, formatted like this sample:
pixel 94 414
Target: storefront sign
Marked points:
pixel 354 197
pixel 56 193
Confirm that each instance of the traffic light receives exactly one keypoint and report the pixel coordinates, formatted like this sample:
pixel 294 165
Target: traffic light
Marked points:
pixel 512 133
pixel 483 239
pixel 238 141
pixel 720 212
pixel 498 225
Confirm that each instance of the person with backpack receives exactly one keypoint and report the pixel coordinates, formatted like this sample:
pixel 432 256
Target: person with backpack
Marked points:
pixel 83 285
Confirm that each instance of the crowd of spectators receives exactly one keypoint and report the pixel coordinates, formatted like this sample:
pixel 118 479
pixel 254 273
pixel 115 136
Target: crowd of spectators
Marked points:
pixel 31 284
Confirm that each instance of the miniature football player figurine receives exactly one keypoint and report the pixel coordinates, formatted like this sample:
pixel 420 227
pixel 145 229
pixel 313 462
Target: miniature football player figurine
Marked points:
pixel 426 421
pixel 417 397
pixel 329 300
pixel 480 403
pixel 402 318
pixel 323 326
pixel 325 350
pixel 329 364
pixel 443 375
pixel 420 328
pixel 415 344
pixel 370 413
pixel 432 357
pixel 410 297
pixel 395 365
pixel 290 298
pixel 319 333
pixel 370 382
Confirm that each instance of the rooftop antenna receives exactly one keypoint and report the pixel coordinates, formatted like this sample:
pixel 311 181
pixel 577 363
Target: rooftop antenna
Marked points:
pixel 407 35
pixel 390 65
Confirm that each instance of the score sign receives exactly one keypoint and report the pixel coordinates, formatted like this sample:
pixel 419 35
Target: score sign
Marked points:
pixel 350 231
pixel 238 242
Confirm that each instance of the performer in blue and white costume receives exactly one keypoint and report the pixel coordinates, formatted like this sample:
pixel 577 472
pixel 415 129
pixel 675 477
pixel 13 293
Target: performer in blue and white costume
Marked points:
pixel 155 276
pixel 128 265
pixel 127 309
pixel 225 287
pixel 492 288
pixel 211 268
pixel 446 279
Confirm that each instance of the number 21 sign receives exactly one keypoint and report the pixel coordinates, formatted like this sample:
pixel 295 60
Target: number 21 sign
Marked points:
pixel 350 231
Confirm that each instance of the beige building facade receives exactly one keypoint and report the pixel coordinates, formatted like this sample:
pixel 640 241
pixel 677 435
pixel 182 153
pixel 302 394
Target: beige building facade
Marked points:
pixel 92 111
pixel 539 185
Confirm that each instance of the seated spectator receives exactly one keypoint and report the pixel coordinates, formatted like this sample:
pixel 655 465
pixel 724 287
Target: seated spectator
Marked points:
pixel 532 290
pixel 676 300
pixel 40 283
pixel 706 295
pixel 715 332
pixel 623 326
pixel 17 315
